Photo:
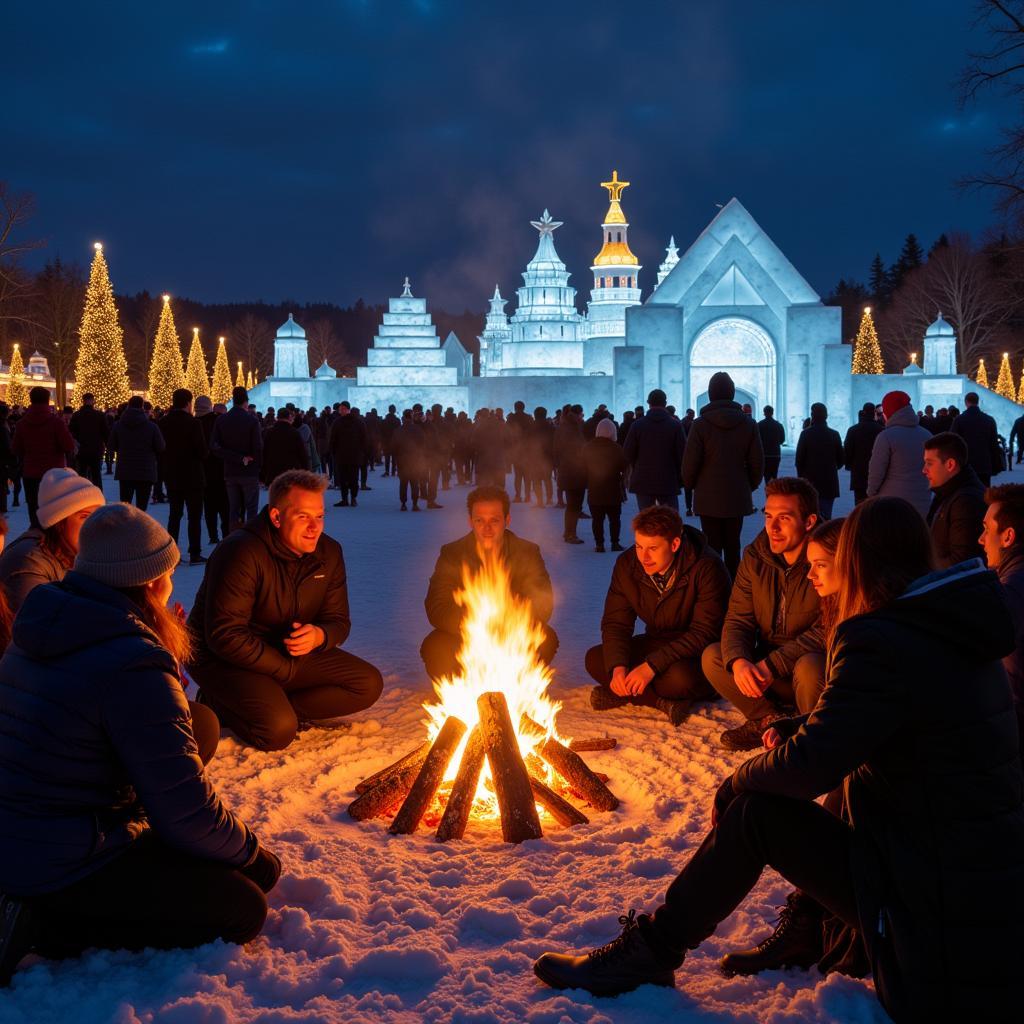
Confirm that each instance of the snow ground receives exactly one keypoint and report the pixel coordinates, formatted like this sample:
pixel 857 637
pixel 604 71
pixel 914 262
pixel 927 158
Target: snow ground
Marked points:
pixel 369 927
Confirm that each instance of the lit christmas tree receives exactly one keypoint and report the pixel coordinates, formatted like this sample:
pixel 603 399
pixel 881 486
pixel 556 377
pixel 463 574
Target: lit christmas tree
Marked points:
pixel 1020 390
pixel 867 353
pixel 196 378
pixel 248 381
pixel 240 379
pixel 982 377
pixel 17 393
pixel 220 389
pixel 1004 383
pixel 101 367
pixel 166 373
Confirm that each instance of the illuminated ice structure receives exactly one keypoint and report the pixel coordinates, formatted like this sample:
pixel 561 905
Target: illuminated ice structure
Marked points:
pixel 732 301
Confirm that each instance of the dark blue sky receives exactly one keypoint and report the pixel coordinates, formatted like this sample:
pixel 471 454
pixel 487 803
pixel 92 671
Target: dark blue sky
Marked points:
pixel 324 150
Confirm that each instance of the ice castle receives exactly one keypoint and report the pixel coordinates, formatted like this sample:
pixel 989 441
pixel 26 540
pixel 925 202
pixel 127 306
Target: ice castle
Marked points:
pixel 732 301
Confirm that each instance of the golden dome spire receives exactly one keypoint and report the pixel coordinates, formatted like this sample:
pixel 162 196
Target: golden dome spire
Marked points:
pixel 615 251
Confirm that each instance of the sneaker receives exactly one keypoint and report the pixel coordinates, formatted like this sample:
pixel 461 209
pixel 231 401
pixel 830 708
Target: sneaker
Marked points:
pixel 617 547
pixel 602 699
pixel 17 934
pixel 748 735
pixel 677 711
pixel 796 942
pixel 624 964
pixel 599 548
pixel 196 560
pixel 341 504
pixel 573 540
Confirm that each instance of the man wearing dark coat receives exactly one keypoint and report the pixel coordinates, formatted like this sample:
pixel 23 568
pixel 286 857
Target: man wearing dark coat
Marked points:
pixel 90 430
pixel 269 618
pixel 348 444
pixel 215 492
pixel 860 440
pixel 283 448
pixel 238 442
pixel 137 441
pixel 184 471
pixel 958 505
pixel 605 465
pixel 819 457
pixel 978 429
pixel 407 444
pixel 773 437
pixel 654 450
pixel 678 587
pixel 1016 438
pixel 489 536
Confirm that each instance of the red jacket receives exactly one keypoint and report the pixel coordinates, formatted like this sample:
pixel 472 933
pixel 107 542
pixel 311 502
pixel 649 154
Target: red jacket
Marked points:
pixel 41 441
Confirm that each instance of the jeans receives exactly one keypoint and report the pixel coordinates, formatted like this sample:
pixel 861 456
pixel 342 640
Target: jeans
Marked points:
pixel 180 499
pixel 614 515
pixel 647 500
pixel 682 680
pixel 348 482
pixel 723 536
pixel 521 479
pixel 405 483
pixel 135 490
pixel 215 508
pixel 31 485
pixel 243 499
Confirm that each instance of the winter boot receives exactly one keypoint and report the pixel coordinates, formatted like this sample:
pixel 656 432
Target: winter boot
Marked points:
pixel 748 735
pixel 602 699
pixel 622 965
pixel 796 941
pixel 677 711
pixel 17 934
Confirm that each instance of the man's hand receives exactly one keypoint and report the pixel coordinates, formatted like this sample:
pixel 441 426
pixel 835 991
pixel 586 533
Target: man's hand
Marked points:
pixel 771 738
pixel 246 459
pixel 618 683
pixel 636 681
pixel 303 639
pixel 751 679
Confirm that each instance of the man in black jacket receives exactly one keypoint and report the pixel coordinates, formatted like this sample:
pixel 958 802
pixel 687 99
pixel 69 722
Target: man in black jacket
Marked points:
pixel 857 447
pixel 283 448
pixel 215 493
pixel 489 536
pixel 237 440
pixel 819 457
pixel 348 445
pixel 958 505
pixel 90 430
pixel 269 616
pixel 978 429
pixel 678 587
pixel 654 450
pixel 184 472
pixel 770 652
pixel 773 437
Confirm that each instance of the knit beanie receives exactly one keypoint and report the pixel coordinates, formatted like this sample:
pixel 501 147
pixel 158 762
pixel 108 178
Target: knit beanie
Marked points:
pixel 62 493
pixel 606 428
pixel 124 547
pixel 721 387
pixel 894 401
pixel 203 405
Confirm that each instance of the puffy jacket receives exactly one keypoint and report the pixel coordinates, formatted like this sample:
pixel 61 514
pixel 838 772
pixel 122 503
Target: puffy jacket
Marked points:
pixel 253 590
pixel 605 464
pixel 819 457
pixel 42 441
pixel 25 564
pixel 137 441
pixel 918 720
pixel 654 449
pixel 955 518
pixel 283 449
pixel 724 461
pixel 984 452
pixel 681 621
pixel 773 606
pixel 857 447
pixel 528 578
pixel 896 460
pixel 185 453
pixel 236 436
pixel 96 744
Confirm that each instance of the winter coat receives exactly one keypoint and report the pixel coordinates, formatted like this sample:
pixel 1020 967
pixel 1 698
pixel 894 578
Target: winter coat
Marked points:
pixel 89 428
pixel 213 465
pixel 528 578
pixel 185 454
pixel 96 744
pixel 955 516
pixel 236 436
pixel 253 590
pixel 519 426
pixel 772 607
pixel 819 457
pixel 1017 435
pixel 312 455
pixel 388 426
pixel 984 452
pixel 283 449
pixel 724 461
pixel 654 450
pixel 25 564
pixel 569 442
pixel 489 448
pixel 1011 576
pixel 917 720
pixel 407 444
pixel 605 463
pixel 896 460
pixel 137 440
pixel 773 437
pixel 681 621
pixel 42 441
pixel 857 447
pixel 541 448
pixel 348 441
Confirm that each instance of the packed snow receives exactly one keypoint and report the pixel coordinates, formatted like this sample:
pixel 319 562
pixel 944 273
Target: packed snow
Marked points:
pixel 369 927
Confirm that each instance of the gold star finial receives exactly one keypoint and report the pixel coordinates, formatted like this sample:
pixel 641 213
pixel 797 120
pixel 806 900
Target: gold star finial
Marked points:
pixel 615 187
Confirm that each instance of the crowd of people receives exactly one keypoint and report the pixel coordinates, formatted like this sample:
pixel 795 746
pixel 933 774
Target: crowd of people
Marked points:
pixel 876 662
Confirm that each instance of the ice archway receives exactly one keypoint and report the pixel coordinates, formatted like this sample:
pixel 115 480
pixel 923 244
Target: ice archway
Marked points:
pixel 743 349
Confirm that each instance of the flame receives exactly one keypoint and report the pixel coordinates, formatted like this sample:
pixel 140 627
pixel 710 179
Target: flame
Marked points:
pixel 500 641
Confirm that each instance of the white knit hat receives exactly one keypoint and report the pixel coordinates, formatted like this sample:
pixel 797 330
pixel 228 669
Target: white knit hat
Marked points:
pixel 62 493
pixel 122 546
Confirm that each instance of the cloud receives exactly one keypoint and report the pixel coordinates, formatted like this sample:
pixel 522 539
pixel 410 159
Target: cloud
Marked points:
pixel 214 47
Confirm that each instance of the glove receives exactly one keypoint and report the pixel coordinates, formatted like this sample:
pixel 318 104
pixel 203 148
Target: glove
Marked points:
pixel 264 869
pixel 725 796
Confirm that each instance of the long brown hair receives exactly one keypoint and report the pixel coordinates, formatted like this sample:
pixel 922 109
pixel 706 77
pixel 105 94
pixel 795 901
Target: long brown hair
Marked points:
pixel 826 534
pixel 170 630
pixel 54 541
pixel 883 547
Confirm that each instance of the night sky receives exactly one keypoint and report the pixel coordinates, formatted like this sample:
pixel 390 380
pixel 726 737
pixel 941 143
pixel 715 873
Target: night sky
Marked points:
pixel 321 151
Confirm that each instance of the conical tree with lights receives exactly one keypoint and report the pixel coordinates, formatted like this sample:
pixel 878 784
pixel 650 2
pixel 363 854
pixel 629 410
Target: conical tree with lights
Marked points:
pixel 240 378
pixel 981 379
pixel 248 381
pixel 1004 383
pixel 166 372
pixel 17 393
pixel 1020 390
pixel 196 378
pixel 220 388
pixel 101 367
pixel 867 353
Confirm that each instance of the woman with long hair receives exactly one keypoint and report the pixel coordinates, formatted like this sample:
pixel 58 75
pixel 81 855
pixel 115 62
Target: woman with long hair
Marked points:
pixel 114 836
pixel 917 721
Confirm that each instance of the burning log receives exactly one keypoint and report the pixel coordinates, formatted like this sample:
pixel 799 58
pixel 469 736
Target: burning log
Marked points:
pixel 597 743
pixel 385 796
pixel 580 778
pixel 561 810
pixel 414 758
pixel 460 800
pixel 429 778
pixel 512 787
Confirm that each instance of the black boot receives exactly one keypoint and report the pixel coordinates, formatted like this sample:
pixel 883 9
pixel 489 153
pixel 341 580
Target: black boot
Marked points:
pixel 676 711
pixel 796 941
pixel 17 934
pixel 624 964
pixel 602 699
pixel 748 735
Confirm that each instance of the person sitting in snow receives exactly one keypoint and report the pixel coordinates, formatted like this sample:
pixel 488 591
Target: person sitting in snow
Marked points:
pixel 679 588
pixel 489 521
pixel 930 863
pixel 268 618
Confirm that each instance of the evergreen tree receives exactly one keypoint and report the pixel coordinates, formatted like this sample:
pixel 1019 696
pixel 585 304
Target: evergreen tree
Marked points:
pixel 911 256
pixel 101 367
pixel 166 372
pixel 1004 383
pixel 982 376
pixel 878 281
pixel 942 242
pixel 17 393
pixel 220 388
pixel 867 353
pixel 1020 390
pixel 248 381
pixel 240 379
pixel 196 378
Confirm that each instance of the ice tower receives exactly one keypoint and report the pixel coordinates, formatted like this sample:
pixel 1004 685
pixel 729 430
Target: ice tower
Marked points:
pixel 616 270
pixel 496 333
